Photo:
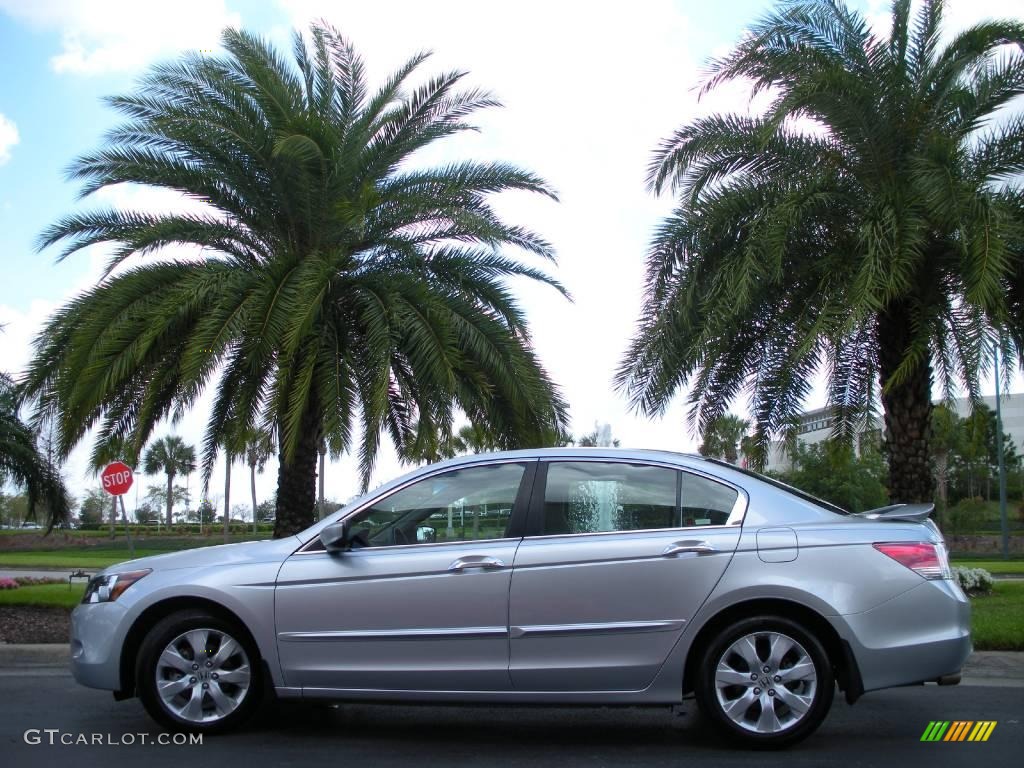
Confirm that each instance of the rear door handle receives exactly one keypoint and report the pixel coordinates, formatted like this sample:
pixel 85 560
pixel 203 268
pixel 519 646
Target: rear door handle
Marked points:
pixel 476 561
pixel 691 546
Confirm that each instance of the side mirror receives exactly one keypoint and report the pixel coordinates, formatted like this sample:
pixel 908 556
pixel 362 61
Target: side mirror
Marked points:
pixel 424 533
pixel 336 537
pixel 341 537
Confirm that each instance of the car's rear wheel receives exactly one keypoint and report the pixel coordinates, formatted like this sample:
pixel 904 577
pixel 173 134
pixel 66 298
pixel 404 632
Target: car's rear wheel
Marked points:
pixel 198 672
pixel 766 680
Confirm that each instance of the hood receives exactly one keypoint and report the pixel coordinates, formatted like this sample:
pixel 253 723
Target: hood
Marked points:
pixel 271 550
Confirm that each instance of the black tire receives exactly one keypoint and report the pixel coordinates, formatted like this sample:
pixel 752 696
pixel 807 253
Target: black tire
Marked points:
pixel 160 636
pixel 707 693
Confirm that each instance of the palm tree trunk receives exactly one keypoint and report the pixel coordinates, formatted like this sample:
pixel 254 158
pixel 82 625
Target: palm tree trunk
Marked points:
pixel 170 499
pixel 227 494
pixel 252 487
pixel 322 449
pixel 942 485
pixel 296 480
pixel 907 408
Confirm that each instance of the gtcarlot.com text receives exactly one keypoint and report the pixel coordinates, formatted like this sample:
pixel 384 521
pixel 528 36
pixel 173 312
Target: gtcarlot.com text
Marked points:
pixel 54 736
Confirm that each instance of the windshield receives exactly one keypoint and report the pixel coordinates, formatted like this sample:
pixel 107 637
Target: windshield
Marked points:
pixel 782 486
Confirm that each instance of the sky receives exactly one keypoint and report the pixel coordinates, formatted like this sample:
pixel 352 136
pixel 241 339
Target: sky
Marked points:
pixel 588 90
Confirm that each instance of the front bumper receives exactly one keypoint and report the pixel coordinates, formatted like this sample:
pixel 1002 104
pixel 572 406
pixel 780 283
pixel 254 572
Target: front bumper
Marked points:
pixel 97 635
pixel 919 636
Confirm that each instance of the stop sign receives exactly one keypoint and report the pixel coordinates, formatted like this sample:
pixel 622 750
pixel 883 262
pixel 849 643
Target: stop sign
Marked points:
pixel 117 478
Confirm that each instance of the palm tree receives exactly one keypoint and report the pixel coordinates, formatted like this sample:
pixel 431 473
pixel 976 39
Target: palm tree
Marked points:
pixel 723 436
pixel 22 463
pixel 868 225
pixel 229 460
pixel 172 456
pixel 474 438
pixel 340 289
pixel 257 446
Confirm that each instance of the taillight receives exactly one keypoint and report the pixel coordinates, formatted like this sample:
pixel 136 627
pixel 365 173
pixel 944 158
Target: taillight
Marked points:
pixel 925 559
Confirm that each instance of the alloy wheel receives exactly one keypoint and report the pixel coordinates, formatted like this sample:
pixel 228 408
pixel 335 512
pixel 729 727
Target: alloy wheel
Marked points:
pixel 766 682
pixel 203 675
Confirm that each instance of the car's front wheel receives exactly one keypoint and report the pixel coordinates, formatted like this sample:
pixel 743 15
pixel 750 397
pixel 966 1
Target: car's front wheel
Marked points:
pixel 766 680
pixel 198 672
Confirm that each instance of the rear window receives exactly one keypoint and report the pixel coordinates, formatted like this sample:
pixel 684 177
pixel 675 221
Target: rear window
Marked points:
pixel 782 487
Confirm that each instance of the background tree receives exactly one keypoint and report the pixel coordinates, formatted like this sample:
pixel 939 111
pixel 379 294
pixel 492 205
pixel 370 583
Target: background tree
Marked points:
pixel 474 438
pixel 24 465
pixel 973 457
pixel 258 447
pixel 343 290
pixel 265 511
pixel 945 434
pixel 13 509
pixel 723 436
pixel 172 456
pixel 93 509
pixel 832 471
pixel 147 513
pixel 238 513
pixel 156 496
pixel 868 225
pixel 205 512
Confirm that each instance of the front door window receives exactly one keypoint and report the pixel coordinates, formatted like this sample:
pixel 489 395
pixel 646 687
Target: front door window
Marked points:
pixel 462 505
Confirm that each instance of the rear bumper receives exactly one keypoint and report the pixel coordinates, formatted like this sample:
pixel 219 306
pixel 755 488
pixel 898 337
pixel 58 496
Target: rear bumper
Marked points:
pixel 923 635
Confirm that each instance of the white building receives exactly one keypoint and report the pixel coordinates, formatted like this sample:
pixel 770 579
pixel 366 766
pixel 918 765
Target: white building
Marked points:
pixel 816 426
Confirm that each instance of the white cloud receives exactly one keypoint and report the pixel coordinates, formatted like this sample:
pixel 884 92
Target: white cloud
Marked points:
pixel 123 35
pixel 8 138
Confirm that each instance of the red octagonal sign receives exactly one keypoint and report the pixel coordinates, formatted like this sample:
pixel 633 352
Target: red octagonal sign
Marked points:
pixel 117 478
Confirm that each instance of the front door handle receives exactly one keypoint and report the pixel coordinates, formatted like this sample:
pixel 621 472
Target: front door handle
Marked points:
pixel 476 561
pixel 691 546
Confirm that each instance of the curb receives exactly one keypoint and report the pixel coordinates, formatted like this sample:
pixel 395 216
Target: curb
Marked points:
pixel 35 655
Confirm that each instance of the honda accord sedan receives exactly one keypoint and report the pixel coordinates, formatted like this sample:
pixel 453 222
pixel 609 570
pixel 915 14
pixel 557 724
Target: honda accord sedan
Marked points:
pixel 556 576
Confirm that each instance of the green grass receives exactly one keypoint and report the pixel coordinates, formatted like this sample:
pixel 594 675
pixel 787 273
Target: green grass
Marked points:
pixel 94 557
pixel 997 620
pixel 51 595
pixel 992 566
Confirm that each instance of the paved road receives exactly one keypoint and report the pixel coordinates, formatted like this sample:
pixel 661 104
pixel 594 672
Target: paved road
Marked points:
pixel 883 729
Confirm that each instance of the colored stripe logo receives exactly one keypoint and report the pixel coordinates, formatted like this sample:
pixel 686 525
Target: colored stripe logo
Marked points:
pixel 958 730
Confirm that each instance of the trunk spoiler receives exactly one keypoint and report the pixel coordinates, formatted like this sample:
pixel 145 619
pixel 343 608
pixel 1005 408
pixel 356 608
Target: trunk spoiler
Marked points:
pixel 899 513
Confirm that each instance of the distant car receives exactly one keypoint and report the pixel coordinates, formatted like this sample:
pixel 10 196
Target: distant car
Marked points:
pixel 31 526
pixel 621 577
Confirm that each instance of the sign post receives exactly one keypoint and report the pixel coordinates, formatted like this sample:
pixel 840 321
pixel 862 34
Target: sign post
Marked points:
pixel 117 478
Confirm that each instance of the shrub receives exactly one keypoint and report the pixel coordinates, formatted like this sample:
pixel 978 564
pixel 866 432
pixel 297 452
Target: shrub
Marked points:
pixel 6 583
pixel 32 581
pixel 974 581
pixel 967 516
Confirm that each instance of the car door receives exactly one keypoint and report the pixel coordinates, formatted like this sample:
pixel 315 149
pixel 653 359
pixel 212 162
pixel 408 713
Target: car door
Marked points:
pixel 422 604
pixel 618 557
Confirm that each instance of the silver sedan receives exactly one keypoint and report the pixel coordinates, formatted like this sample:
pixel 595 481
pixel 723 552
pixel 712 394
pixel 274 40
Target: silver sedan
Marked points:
pixel 582 576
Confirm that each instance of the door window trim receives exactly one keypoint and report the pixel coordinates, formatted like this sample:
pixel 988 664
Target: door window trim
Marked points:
pixel 514 531
pixel 535 517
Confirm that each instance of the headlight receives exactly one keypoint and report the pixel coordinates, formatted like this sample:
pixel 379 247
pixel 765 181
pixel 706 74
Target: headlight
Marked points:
pixel 106 588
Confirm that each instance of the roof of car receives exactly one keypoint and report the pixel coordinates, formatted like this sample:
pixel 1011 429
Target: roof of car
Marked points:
pixel 643 454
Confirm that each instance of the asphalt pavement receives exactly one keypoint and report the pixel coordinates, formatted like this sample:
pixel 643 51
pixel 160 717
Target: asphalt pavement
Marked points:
pixel 882 729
